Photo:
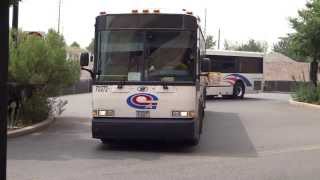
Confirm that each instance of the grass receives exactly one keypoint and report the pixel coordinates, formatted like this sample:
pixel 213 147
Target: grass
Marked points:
pixel 307 93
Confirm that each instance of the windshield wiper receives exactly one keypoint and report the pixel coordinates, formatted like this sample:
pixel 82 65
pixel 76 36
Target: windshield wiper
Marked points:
pixel 121 84
pixel 165 85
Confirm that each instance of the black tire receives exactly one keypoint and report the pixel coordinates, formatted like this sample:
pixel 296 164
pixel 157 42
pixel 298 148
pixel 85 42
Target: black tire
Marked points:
pixel 202 111
pixel 210 97
pixel 227 96
pixel 239 90
pixel 107 141
pixel 193 142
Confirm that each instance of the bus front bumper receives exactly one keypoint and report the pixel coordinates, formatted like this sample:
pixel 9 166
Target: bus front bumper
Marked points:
pixel 145 129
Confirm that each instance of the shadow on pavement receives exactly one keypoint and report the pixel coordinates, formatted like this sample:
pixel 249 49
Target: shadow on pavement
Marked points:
pixel 224 135
pixel 228 99
pixel 70 138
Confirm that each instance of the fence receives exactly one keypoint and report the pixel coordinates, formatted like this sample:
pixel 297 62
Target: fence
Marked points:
pixel 83 86
pixel 280 86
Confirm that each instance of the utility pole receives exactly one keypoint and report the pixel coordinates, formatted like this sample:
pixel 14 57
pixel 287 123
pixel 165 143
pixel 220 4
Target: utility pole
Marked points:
pixel 59 16
pixel 219 38
pixel 205 22
pixel 15 22
pixel 4 59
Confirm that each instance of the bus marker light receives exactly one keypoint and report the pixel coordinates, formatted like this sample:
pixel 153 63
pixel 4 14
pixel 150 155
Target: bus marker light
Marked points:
pixel 94 114
pixel 183 114
pixel 105 113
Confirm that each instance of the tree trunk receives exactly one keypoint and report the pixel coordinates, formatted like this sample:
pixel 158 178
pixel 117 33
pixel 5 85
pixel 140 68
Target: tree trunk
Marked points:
pixel 314 66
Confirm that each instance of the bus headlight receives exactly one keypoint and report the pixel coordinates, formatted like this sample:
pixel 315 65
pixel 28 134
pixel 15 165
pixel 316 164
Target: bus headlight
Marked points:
pixel 183 114
pixel 103 113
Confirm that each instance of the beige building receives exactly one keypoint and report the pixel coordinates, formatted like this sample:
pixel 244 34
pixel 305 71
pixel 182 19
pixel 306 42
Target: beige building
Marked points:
pixel 278 67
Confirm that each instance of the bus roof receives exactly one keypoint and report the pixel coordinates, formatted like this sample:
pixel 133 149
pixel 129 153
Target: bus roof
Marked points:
pixel 233 53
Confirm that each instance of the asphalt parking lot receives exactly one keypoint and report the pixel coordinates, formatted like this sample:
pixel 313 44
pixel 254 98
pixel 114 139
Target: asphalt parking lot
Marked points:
pixel 260 137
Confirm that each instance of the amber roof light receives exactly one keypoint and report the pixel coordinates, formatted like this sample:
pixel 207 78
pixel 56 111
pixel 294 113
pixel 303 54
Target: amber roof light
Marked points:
pixel 145 11
pixel 190 13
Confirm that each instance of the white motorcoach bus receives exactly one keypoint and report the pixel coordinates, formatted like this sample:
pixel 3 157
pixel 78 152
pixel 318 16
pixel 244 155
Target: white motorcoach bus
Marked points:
pixel 233 73
pixel 146 77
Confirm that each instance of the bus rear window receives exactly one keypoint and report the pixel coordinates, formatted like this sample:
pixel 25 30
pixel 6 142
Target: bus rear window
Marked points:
pixel 224 64
pixel 250 65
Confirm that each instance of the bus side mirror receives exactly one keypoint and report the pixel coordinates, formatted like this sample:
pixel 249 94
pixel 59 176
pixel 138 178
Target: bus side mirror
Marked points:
pixel 205 65
pixel 91 58
pixel 84 59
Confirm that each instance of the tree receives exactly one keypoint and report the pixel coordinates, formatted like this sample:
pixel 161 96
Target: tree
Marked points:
pixel 210 43
pixel 307 35
pixel 41 63
pixel 287 46
pixel 90 48
pixel 252 46
pixel 75 44
pixel 228 45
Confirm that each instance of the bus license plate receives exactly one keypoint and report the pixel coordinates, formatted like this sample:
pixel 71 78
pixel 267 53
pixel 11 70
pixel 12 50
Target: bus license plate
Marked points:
pixel 143 114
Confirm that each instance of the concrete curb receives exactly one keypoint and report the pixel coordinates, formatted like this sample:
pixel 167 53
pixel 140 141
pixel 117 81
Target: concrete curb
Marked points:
pixel 31 129
pixel 293 102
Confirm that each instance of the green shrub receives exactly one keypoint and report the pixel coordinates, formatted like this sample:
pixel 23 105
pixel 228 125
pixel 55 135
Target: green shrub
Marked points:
pixel 35 109
pixel 41 62
pixel 307 93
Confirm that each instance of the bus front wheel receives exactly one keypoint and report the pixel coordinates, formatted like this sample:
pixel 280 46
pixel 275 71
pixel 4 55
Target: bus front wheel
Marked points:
pixel 239 90
pixel 193 142
pixel 107 141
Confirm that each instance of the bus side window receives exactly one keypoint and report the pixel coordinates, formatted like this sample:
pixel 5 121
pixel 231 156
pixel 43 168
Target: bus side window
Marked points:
pixel 223 64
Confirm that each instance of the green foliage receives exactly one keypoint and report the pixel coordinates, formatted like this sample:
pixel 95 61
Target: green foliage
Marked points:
pixel 210 43
pixel 229 45
pixel 307 93
pixel 251 46
pixel 41 62
pixel 90 48
pixel 288 47
pixel 75 44
pixel 307 35
pixel 307 26
pixel 35 109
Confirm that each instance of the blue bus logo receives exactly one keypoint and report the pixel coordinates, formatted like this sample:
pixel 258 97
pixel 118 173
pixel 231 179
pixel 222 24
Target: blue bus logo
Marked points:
pixel 143 101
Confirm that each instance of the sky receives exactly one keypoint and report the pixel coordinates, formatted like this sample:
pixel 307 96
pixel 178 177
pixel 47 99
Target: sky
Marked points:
pixel 239 20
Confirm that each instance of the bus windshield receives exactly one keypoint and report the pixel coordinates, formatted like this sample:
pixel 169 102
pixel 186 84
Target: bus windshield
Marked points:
pixel 152 55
